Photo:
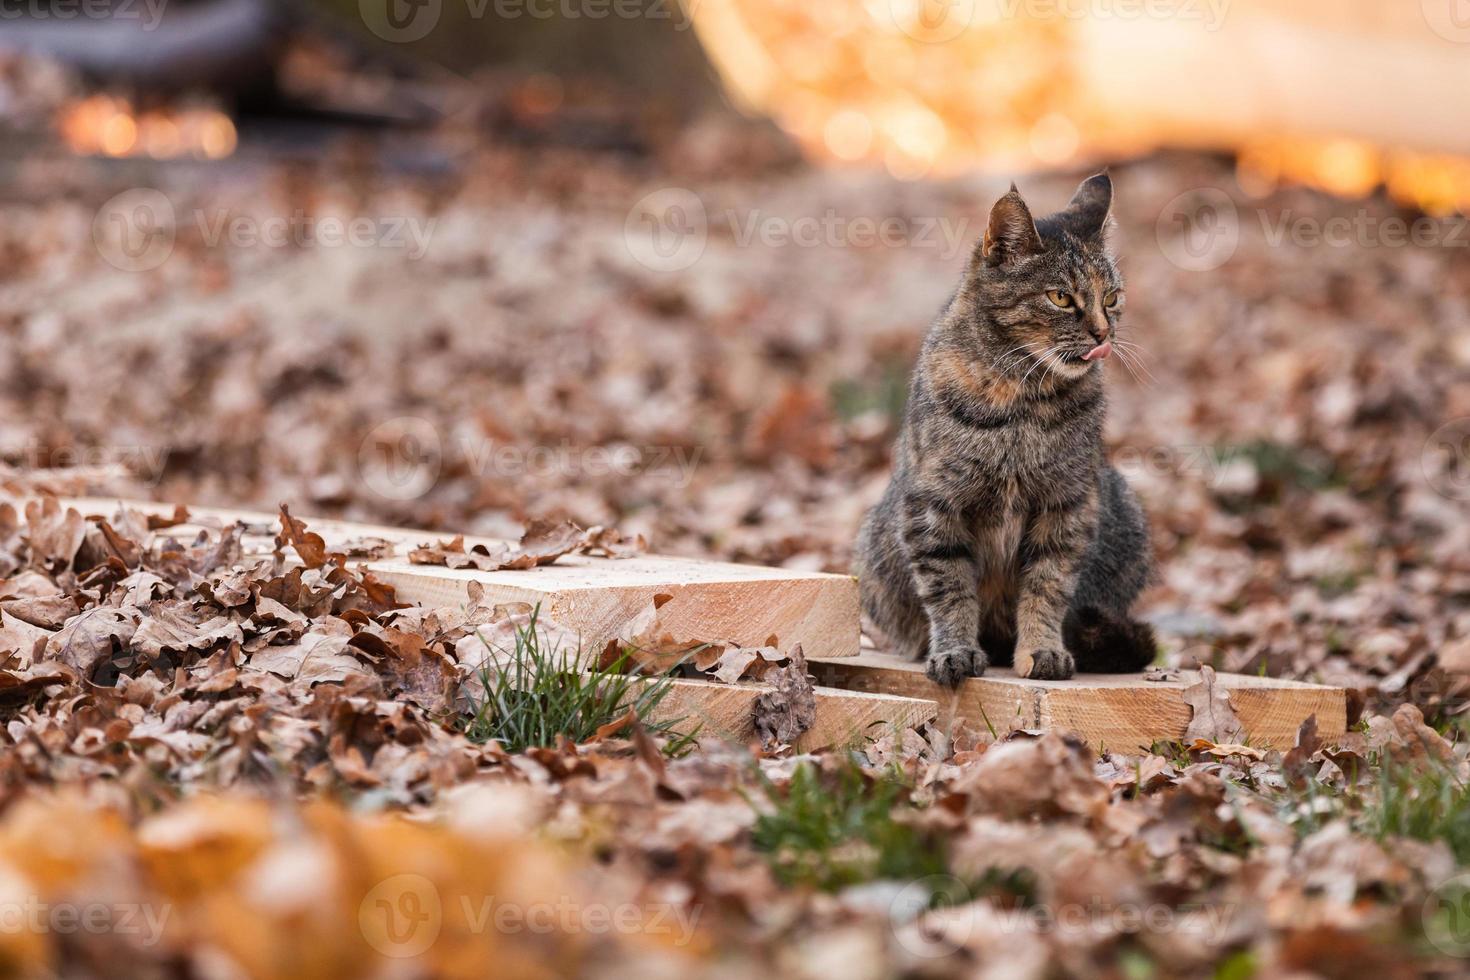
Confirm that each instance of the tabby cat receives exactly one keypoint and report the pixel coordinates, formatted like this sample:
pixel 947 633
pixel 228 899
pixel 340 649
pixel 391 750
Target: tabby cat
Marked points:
pixel 1005 535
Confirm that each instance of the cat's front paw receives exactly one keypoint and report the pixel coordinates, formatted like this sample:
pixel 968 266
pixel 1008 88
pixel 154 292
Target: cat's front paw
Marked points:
pixel 951 665
pixel 1045 664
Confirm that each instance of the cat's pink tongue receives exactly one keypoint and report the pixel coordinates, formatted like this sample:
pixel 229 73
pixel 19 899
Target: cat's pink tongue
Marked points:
pixel 1099 352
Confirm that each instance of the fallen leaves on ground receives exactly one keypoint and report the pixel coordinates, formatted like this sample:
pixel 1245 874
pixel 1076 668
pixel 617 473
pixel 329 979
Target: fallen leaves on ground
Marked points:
pixel 1293 434
pixel 543 542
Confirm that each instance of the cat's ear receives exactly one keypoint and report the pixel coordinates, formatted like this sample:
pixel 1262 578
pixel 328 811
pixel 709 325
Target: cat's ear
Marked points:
pixel 1087 212
pixel 1011 233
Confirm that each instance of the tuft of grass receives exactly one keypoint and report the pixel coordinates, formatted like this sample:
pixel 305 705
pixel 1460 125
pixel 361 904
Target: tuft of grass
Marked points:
pixel 886 393
pixel 1283 467
pixel 1425 804
pixel 835 828
pixel 540 692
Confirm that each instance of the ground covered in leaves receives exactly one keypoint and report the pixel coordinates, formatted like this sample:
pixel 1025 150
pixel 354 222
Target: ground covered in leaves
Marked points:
pixel 1287 432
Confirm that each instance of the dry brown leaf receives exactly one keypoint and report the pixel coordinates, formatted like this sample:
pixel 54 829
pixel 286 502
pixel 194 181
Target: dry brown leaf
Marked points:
pixel 310 547
pixel 1214 720
pixel 55 535
pixel 1298 762
pixel 19 640
pixel 49 612
pixel 178 625
pixel 1047 776
pixel 88 639
pixel 789 708
pixel 543 542
pixel 648 643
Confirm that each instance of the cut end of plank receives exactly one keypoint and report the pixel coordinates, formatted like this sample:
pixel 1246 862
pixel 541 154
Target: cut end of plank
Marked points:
pixel 1123 712
pixel 844 718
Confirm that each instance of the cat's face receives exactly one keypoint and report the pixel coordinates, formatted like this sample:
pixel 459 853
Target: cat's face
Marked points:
pixel 1050 290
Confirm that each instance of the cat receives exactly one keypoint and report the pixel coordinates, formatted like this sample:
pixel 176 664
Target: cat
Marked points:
pixel 1005 535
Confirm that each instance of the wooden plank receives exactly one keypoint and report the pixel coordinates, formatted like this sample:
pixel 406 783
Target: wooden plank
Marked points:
pixel 983 706
pixel 717 601
pixel 1112 711
pixel 843 717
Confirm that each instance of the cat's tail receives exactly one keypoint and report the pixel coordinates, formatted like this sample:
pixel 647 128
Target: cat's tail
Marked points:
pixel 1106 643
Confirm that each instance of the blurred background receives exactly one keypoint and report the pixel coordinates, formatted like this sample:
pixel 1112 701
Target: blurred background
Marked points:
pixel 456 263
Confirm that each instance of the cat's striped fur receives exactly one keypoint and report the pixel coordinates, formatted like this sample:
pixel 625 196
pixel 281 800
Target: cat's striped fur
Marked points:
pixel 1004 533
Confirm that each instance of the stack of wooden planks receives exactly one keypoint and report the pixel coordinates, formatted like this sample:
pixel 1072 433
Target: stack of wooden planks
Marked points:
pixel 860 695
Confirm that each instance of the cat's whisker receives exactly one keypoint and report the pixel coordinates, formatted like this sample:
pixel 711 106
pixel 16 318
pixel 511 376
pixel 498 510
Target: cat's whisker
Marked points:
pixel 1135 354
pixel 1128 360
pixel 1136 349
pixel 1028 351
pixel 1046 356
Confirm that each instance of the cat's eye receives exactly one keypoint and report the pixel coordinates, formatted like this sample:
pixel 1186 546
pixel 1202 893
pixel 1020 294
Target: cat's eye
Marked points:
pixel 1112 298
pixel 1060 299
